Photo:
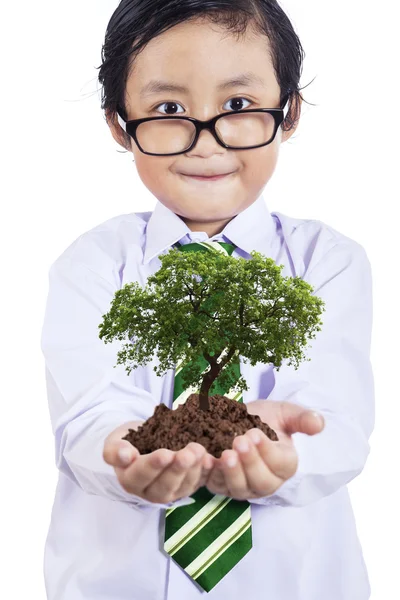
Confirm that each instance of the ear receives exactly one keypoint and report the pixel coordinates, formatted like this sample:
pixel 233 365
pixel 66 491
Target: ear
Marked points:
pixel 116 129
pixel 294 116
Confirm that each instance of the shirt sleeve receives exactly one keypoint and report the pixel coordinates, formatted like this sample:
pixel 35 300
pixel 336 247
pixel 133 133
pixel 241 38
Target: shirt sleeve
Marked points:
pixel 87 396
pixel 338 382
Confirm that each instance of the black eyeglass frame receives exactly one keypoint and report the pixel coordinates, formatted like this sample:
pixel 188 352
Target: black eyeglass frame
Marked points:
pixel 279 114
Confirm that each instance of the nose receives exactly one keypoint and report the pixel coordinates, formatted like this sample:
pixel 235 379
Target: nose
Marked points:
pixel 206 142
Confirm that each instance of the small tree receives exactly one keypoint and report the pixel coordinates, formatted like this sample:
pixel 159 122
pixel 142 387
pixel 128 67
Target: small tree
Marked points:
pixel 216 305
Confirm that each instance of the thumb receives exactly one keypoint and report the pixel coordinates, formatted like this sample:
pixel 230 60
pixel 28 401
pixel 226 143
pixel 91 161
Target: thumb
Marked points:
pixel 119 454
pixel 299 419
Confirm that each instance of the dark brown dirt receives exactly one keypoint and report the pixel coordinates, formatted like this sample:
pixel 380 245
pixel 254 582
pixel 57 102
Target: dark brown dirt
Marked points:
pixel 215 429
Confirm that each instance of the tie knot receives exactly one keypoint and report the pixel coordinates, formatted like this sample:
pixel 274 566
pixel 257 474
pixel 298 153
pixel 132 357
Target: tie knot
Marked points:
pixel 222 247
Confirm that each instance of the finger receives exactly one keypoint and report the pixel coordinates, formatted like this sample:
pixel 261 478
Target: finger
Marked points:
pixel 207 467
pixel 149 467
pixel 280 458
pixel 145 469
pixel 119 453
pixel 260 481
pixel 208 461
pixel 191 482
pixel 114 442
pixel 235 477
pixel 216 482
pixel 299 419
pixel 164 487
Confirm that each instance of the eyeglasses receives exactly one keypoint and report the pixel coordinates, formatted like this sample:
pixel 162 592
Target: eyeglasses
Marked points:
pixel 239 130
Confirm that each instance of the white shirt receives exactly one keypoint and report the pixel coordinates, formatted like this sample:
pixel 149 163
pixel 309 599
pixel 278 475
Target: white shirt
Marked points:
pixel 106 544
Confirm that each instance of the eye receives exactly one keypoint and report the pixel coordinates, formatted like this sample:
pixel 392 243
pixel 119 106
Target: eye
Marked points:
pixel 169 112
pixel 172 111
pixel 238 99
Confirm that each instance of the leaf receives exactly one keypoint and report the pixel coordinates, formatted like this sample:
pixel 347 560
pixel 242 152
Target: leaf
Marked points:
pixel 207 302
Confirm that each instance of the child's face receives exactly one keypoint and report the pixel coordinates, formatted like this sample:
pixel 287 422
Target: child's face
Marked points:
pixel 199 56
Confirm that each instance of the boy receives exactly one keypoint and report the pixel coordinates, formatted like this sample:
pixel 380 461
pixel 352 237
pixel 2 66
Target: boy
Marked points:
pixel 107 531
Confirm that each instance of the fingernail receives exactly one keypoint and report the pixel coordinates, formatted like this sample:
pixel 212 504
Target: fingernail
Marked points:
pixel 166 459
pixel 231 461
pixel 125 455
pixel 318 416
pixel 208 462
pixel 242 445
pixel 255 437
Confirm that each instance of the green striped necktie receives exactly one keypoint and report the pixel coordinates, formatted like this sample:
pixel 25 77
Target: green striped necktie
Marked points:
pixel 208 538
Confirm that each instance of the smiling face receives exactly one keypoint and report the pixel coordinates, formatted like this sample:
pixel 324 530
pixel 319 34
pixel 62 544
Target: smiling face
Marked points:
pixel 200 56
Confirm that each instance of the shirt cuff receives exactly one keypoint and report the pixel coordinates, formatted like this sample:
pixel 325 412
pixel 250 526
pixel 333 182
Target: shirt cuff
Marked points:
pixel 136 502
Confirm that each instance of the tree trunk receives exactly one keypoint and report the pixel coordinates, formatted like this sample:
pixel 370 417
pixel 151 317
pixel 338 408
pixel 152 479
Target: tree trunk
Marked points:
pixel 211 376
pixel 206 384
pixel 204 402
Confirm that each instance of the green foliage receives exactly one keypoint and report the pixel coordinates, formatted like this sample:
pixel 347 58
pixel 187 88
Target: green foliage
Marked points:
pixel 211 303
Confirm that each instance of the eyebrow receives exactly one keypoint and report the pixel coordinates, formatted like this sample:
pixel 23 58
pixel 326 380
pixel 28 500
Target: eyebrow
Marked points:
pixel 156 86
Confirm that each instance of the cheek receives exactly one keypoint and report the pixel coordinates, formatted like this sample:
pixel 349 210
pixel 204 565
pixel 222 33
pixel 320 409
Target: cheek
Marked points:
pixel 260 164
pixel 152 170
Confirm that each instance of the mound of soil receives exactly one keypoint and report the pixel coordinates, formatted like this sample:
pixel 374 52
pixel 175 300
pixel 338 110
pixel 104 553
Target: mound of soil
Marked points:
pixel 215 429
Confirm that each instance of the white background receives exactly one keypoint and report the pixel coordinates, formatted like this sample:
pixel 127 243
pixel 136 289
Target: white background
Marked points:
pixel 61 174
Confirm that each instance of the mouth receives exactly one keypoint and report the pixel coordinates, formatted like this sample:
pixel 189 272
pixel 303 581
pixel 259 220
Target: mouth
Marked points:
pixel 213 178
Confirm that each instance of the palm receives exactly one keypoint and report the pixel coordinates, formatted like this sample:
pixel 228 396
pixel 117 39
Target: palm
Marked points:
pixel 285 418
pixel 274 462
pixel 271 413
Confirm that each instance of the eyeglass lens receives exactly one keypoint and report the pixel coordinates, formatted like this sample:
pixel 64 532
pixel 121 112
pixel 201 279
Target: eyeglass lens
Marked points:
pixel 175 135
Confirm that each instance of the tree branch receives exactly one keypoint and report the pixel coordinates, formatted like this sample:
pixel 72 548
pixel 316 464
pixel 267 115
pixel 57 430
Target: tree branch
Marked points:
pixel 228 357
pixel 273 308
pixel 190 297
pixel 241 311
pixel 202 311
pixel 197 304
pixel 211 359
pixel 270 313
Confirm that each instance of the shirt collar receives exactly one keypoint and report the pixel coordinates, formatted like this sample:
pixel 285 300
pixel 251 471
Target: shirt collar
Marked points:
pixel 252 229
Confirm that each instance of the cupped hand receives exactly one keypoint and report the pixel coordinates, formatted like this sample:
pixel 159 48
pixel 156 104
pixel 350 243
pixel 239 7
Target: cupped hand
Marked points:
pixel 161 476
pixel 261 469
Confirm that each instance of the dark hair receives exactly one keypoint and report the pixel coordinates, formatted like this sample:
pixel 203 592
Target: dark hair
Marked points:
pixel 135 22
